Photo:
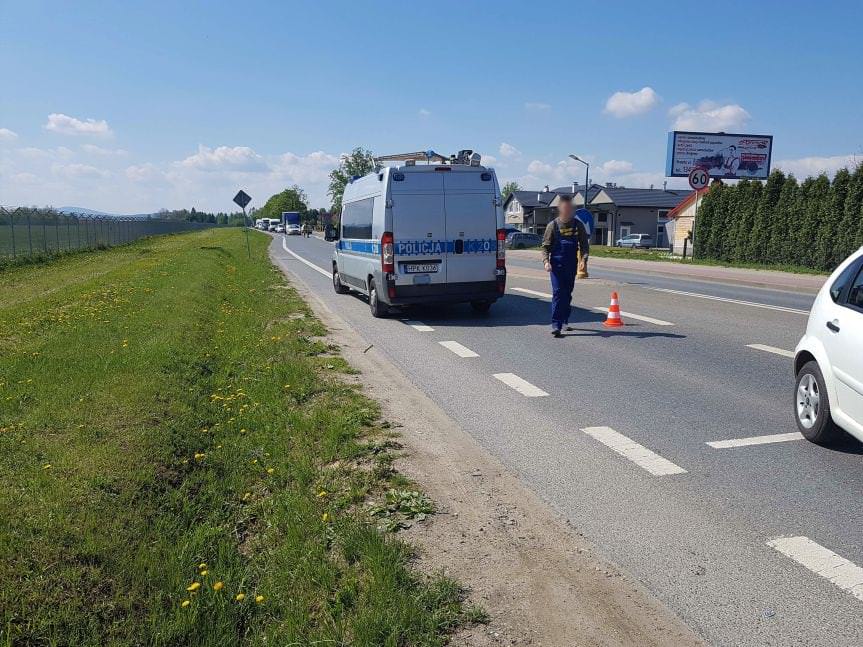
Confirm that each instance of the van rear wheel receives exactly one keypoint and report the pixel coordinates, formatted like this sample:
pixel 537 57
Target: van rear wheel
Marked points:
pixel 377 307
pixel 337 281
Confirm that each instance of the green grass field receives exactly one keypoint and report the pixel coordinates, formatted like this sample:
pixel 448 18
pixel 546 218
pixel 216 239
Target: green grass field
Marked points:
pixel 182 462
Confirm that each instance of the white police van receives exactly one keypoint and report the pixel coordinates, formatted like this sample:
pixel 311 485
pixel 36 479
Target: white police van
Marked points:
pixel 422 233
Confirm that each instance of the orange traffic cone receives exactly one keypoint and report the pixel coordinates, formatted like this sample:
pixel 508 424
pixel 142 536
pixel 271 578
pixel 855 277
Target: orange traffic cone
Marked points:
pixel 613 320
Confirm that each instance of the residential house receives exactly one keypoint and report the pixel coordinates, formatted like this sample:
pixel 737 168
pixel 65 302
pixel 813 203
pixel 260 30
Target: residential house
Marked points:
pixel 681 224
pixel 529 211
pixel 620 211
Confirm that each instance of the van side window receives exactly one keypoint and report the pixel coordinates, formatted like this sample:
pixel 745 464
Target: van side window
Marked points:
pixel 357 219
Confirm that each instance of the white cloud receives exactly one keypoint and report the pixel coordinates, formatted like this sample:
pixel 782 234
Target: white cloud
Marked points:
pixel 25 178
pixel 145 173
pixel 616 167
pixel 488 160
pixel 7 135
pixel 66 125
pixel 809 166
pixel 79 171
pixel 31 152
pixel 225 158
pixel 508 150
pixel 537 106
pixel 424 113
pixel 629 104
pixel 104 152
pixel 709 116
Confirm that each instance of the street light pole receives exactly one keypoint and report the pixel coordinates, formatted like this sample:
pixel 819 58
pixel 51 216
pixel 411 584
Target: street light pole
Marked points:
pixel 586 176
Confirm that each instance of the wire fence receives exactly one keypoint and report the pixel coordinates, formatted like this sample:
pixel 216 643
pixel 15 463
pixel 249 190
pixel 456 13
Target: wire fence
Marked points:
pixel 28 232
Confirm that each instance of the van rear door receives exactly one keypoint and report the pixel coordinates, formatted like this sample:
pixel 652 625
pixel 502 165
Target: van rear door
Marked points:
pixel 471 225
pixel 419 227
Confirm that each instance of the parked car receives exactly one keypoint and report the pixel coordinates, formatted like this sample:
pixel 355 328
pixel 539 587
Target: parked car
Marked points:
pixel 828 361
pixel 280 229
pixel 521 240
pixel 644 241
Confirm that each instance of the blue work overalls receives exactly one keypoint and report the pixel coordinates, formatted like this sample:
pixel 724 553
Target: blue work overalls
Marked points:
pixel 564 264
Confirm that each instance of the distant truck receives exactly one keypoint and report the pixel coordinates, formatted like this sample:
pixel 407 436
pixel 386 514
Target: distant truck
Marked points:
pixel 291 220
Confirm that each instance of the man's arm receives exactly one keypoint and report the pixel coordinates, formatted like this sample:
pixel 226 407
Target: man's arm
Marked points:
pixel 547 241
pixel 583 238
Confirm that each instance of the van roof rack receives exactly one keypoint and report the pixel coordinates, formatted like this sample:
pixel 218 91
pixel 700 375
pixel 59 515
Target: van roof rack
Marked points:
pixel 465 157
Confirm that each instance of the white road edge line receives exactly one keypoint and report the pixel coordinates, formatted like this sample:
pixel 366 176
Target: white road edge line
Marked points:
pixel 522 386
pixel 726 300
pixel 629 315
pixel 638 454
pixel 317 268
pixel 822 561
pixel 771 349
pixel 458 349
pixel 755 440
pixel 533 293
pixel 418 325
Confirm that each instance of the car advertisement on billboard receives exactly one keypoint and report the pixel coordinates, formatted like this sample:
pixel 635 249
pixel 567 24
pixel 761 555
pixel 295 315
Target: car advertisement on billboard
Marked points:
pixel 722 155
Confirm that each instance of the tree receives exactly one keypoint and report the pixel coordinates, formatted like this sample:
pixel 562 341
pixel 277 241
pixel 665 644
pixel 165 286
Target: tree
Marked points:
pixel 509 187
pixel 760 239
pixel 357 163
pixel 779 248
pixel 293 199
pixel 852 214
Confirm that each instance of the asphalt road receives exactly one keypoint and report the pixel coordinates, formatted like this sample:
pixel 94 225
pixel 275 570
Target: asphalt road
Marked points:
pixel 705 528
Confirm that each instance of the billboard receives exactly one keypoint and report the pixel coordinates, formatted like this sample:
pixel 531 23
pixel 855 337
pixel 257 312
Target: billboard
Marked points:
pixel 728 156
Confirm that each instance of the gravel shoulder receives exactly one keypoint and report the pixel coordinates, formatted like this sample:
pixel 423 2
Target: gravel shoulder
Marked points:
pixel 539 580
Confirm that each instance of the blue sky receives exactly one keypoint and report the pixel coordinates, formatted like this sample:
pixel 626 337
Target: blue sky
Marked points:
pixel 135 106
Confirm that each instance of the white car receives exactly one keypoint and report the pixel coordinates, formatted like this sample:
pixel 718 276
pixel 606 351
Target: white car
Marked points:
pixel 293 230
pixel 828 361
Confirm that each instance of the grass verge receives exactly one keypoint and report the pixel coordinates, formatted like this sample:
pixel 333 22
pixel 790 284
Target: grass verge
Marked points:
pixel 182 462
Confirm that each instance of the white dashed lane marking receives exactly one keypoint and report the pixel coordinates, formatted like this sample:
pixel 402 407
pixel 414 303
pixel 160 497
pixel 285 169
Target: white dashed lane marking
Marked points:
pixel 771 349
pixel 755 440
pixel 822 561
pixel 522 386
pixel 638 454
pixel 418 325
pixel 302 260
pixel 533 293
pixel 752 304
pixel 629 315
pixel 458 349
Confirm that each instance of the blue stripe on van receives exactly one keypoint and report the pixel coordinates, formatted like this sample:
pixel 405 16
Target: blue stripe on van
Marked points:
pixel 419 247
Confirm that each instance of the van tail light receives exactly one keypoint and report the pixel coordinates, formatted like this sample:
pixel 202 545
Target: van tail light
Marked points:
pixel 387 254
pixel 500 269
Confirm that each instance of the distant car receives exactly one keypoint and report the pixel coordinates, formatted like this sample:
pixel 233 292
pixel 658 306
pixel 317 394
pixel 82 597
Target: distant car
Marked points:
pixel 519 240
pixel 828 361
pixel 280 229
pixel 644 241
pixel 271 227
pixel 294 230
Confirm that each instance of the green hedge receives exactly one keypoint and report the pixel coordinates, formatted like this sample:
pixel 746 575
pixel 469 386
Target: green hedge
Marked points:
pixel 815 223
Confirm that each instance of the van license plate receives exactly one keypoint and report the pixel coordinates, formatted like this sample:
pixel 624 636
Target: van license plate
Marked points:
pixel 420 268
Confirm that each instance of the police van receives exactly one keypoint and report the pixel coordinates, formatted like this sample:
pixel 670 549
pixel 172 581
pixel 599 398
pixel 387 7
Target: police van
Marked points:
pixel 418 233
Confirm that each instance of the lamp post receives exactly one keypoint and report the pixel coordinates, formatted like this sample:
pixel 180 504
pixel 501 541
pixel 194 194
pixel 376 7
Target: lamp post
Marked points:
pixel 582 262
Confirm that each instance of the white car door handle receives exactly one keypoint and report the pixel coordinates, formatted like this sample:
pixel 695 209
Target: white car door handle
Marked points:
pixel 833 325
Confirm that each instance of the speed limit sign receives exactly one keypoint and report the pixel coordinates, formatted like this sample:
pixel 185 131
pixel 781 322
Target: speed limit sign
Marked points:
pixel 699 178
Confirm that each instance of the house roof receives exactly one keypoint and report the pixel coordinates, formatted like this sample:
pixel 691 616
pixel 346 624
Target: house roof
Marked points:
pixel 684 205
pixel 659 198
pixel 529 198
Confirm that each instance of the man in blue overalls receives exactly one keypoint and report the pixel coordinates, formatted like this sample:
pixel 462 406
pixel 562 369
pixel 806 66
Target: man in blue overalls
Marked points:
pixel 564 237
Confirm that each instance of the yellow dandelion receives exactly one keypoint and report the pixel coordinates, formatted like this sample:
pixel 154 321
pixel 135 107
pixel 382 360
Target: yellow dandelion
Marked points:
pixel 185 603
pixel 218 586
pixel 240 597
pixel 259 599
pixel 325 517
pixel 204 573
pixel 322 493
pixel 199 456
pixel 202 565
pixel 194 586
pixel 46 466
pixel 270 470
pixel 247 496
pixel 242 431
